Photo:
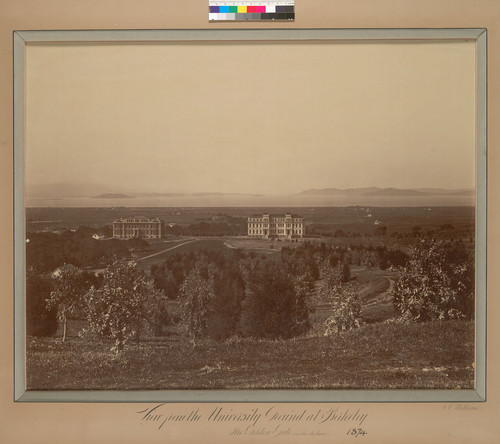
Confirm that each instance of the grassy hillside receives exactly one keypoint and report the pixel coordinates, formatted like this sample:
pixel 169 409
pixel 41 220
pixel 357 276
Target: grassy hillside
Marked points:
pixel 381 354
pixel 377 356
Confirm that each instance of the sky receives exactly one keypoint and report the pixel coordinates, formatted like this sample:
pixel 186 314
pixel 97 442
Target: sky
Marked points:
pixel 257 118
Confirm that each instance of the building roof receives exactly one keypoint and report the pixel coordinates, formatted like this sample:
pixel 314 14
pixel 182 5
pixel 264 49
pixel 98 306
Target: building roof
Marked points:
pixel 138 219
pixel 283 215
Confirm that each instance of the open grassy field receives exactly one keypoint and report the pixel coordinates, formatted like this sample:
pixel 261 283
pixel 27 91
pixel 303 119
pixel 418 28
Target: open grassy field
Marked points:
pixel 160 249
pixel 258 245
pixel 378 356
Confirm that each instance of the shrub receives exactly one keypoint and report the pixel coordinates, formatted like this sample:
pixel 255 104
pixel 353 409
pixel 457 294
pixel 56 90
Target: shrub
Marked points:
pixel 437 283
pixel 336 276
pixel 346 312
pixel 198 295
pixel 369 258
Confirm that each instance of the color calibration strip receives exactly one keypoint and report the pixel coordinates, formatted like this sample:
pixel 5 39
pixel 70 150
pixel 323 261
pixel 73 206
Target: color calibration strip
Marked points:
pixel 250 10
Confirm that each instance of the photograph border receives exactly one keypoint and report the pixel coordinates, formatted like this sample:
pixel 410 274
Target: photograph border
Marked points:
pixel 22 38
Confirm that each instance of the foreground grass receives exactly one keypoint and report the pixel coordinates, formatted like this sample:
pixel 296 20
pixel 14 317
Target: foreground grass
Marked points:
pixel 378 356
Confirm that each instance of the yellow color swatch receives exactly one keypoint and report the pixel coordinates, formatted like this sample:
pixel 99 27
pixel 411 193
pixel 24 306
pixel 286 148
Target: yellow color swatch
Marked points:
pixel 242 9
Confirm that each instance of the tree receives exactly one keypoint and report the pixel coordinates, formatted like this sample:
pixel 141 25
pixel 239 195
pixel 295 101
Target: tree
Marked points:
pixel 352 257
pixel 336 276
pixel 212 296
pixel 437 283
pixel 125 300
pixel 165 280
pixel 346 311
pixel 344 302
pixel 369 258
pixel 67 298
pixel 303 289
pixel 276 306
pixel 197 306
pixel 228 295
pixel 397 258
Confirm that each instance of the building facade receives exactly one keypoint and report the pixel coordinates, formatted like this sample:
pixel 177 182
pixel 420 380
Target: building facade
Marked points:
pixel 138 226
pixel 284 226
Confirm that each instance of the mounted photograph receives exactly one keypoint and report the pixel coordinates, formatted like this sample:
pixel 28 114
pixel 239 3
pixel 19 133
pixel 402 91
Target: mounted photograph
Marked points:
pixel 229 215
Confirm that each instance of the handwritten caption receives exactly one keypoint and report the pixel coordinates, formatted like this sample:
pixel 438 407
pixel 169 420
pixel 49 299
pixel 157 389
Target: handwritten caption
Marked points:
pixel 272 421
pixel 469 407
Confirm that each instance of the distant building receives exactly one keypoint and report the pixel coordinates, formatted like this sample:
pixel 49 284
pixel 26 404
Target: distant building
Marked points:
pixel 138 226
pixel 56 273
pixel 284 226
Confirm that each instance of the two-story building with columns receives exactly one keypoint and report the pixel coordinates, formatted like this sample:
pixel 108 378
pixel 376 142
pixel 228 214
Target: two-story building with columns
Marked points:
pixel 281 226
pixel 137 226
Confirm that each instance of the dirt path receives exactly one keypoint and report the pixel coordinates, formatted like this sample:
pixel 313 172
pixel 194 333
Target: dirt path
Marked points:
pixel 164 251
pixel 382 297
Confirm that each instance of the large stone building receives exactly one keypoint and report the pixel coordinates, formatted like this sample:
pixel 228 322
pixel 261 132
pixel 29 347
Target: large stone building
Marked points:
pixel 138 226
pixel 285 226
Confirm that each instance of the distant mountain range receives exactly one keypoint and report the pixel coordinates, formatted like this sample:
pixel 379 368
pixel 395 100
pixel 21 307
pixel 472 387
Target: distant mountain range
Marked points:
pixel 376 191
pixel 98 191
pixel 190 194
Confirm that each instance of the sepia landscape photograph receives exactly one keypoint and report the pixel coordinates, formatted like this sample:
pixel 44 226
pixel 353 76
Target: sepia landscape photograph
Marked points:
pixel 250 215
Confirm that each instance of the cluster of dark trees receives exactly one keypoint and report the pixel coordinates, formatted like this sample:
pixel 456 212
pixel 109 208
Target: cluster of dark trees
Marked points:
pixel 235 293
pixel 227 293
pixel 360 255
pixel 303 259
pixel 416 232
pixel 46 251
pixel 444 232
pixel 170 275
pixel 222 294
pixel 329 230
